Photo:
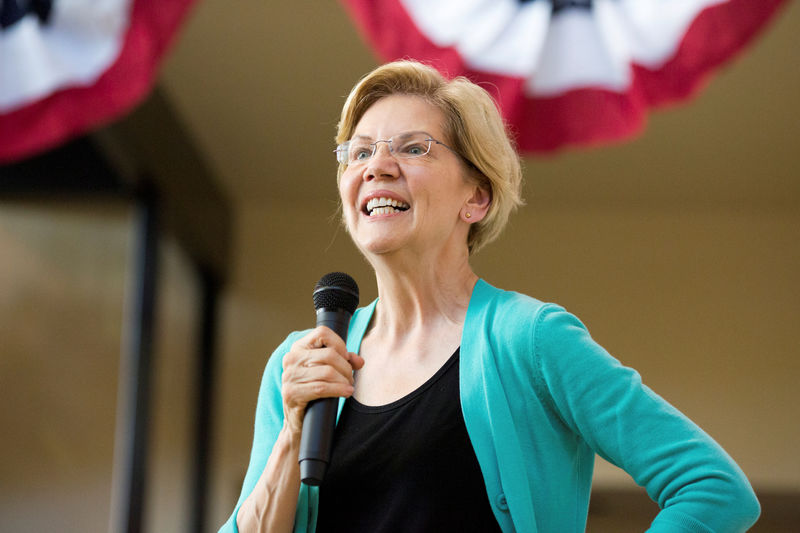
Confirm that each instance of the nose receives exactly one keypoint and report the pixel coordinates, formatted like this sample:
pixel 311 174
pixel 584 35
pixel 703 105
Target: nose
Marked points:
pixel 382 164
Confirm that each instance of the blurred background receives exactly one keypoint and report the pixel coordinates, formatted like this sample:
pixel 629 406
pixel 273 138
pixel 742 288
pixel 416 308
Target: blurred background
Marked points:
pixel 679 249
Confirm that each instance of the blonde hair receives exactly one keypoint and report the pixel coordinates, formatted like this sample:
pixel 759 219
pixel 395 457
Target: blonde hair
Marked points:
pixel 473 126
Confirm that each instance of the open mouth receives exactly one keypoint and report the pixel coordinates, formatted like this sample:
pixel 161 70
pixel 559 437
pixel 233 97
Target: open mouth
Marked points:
pixel 384 206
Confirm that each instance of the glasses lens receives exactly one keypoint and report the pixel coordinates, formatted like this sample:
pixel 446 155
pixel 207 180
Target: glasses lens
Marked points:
pixel 410 145
pixel 359 150
pixel 341 153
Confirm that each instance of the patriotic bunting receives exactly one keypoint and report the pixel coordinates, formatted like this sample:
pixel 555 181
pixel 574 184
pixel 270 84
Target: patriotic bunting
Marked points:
pixel 67 66
pixel 568 72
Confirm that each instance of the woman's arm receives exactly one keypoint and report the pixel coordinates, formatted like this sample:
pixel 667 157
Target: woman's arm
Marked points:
pixel 316 366
pixel 271 505
pixel 696 484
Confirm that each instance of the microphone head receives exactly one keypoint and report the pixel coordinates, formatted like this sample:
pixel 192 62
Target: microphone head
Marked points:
pixel 336 290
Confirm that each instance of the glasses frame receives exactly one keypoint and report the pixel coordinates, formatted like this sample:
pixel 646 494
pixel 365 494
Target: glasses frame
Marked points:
pixel 341 150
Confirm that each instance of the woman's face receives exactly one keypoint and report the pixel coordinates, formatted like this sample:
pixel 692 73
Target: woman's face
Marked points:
pixel 429 192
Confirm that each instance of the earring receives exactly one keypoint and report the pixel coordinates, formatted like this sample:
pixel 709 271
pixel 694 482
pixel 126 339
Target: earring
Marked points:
pixel 468 215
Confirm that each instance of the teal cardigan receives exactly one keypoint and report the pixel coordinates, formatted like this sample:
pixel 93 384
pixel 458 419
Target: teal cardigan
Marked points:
pixel 540 398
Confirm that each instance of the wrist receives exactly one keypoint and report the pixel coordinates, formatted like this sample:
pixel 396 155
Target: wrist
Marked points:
pixel 290 434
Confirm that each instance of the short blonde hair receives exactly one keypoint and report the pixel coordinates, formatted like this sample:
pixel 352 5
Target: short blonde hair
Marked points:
pixel 473 126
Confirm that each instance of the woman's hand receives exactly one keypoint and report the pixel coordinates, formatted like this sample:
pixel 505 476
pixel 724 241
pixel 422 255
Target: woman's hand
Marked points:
pixel 317 366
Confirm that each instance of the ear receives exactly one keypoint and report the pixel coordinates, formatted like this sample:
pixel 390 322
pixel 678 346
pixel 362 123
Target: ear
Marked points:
pixel 477 205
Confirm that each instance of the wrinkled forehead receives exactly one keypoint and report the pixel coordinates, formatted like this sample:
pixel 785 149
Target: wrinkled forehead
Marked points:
pixel 399 114
pixel 400 137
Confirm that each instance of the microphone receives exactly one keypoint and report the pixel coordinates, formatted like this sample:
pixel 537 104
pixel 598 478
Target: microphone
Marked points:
pixel 335 299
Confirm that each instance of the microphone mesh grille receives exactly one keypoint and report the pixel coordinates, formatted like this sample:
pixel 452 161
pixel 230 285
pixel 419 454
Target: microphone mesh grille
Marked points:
pixel 336 290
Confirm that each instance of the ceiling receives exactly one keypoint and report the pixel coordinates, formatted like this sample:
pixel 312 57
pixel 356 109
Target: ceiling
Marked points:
pixel 260 87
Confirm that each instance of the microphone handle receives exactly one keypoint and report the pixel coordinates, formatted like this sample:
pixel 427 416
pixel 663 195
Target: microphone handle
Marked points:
pixel 319 422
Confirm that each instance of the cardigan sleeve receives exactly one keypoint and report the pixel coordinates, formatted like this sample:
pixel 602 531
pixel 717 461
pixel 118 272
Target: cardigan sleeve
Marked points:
pixel 268 423
pixel 698 487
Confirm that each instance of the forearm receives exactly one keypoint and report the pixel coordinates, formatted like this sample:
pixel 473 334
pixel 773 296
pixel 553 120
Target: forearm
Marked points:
pixel 272 504
pixel 720 499
pixel 695 482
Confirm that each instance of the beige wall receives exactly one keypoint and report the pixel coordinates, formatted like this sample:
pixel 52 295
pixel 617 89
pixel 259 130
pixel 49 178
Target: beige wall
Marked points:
pixel 63 273
pixel 60 316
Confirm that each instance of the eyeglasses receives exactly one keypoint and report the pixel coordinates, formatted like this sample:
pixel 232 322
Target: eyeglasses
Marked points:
pixel 403 145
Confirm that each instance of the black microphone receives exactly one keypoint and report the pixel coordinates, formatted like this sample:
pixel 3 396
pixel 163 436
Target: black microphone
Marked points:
pixel 335 299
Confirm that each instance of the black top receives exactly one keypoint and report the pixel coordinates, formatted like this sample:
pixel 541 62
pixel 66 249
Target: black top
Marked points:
pixel 407 466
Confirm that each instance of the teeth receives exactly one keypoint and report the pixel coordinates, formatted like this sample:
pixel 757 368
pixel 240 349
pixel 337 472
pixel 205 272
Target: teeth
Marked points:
pixel 383 211
pixel 382 206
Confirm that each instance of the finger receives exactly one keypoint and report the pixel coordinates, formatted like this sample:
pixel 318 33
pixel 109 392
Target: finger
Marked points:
pixel 328 357
pixel 322 364
pixel 330 367
pixel 301 393
pixel 297 395
pixel 320 337
pixel 325 336
pixel 355 360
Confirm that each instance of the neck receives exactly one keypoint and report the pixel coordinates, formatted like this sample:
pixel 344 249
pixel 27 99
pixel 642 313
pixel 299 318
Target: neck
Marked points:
pixel 422 293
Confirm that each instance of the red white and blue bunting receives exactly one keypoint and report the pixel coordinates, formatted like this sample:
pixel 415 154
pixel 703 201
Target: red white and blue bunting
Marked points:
pixel 568 72
pixel 67 66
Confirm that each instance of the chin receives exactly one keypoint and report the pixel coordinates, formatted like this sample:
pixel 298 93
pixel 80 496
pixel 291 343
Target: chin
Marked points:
pixel 378 246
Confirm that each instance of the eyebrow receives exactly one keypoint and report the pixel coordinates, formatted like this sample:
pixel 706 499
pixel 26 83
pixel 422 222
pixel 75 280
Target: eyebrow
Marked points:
pixel 411 132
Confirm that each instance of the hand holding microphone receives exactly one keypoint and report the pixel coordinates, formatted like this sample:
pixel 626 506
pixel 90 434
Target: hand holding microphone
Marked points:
pixel 317 370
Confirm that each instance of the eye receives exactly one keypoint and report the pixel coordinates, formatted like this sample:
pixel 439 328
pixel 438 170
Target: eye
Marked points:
pixel 360 152
pixel 414 148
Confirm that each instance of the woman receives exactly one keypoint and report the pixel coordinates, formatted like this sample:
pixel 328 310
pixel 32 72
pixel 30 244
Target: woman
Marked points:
pixel 468 408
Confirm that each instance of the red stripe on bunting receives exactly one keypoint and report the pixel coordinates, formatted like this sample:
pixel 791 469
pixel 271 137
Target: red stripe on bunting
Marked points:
pixel 586 116
pixel 716 35
pixel 71 112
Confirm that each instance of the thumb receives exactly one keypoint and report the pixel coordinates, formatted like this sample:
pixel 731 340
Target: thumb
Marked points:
pixel 356 361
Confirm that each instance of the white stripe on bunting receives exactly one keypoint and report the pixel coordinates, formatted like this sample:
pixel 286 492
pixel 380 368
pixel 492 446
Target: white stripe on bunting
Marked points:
pixel 77 43
pixel 556 53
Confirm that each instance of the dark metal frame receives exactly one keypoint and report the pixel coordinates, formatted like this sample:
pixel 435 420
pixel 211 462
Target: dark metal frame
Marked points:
pixel 133 407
